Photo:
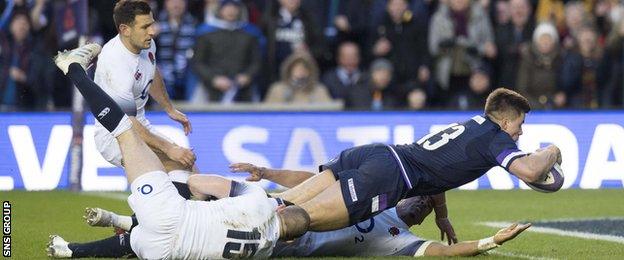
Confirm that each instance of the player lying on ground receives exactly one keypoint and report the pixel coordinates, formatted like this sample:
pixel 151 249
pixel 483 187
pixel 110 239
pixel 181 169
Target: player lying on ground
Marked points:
pixel 242 223
pixel 126 70
pixel 384 235
pixel 365 180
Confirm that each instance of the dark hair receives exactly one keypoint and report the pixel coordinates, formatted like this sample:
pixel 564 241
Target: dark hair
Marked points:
pixel 503 102
pixel 126 10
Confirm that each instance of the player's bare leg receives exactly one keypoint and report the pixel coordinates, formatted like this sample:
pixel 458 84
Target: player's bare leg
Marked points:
pixel 327 210
pixel 310 188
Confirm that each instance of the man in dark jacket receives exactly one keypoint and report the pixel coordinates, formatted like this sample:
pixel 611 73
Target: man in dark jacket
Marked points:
pixel 226 58
pixel 342 79
pixel 402 38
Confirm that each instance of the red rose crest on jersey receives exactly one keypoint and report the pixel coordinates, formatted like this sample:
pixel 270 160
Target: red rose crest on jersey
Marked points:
pixel 150 55
pixel 394 231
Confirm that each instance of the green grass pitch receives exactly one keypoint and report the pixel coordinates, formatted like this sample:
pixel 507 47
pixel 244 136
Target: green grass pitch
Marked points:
pixel 35 215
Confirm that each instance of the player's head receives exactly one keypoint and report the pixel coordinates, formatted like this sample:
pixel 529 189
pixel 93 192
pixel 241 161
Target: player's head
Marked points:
pixel 135 23
pixel 294 222
pixel 507 108
pixel 414 210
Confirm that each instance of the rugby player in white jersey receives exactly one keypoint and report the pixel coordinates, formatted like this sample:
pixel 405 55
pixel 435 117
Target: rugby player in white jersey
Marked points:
pixel 243 223
pixel 386 234
pixel 126 70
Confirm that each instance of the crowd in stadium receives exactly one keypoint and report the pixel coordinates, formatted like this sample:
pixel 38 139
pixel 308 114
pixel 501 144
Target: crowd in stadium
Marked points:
pixel 370 54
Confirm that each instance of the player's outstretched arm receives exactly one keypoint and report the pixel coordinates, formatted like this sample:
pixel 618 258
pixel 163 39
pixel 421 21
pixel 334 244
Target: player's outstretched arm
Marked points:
pixel 286 178
pixel 159 93
pixel 529 168
pixel 471 248
pixel 175 152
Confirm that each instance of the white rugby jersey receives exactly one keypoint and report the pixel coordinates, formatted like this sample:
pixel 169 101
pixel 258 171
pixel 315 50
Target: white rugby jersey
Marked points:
pixel 126 76
pixel 237 227
pixel 383 235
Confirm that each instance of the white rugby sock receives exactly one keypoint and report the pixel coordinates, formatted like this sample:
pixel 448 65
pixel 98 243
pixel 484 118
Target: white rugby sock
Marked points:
pixel 121 221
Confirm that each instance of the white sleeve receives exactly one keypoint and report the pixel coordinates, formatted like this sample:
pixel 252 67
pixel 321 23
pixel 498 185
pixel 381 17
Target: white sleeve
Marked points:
pixel 117 80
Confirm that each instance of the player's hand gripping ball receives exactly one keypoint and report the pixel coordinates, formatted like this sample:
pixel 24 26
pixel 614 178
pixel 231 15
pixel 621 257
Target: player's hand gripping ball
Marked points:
pixel 550 181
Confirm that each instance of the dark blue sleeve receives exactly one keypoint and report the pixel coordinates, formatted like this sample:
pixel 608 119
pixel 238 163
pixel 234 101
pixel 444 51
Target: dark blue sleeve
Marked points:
pixel 503 150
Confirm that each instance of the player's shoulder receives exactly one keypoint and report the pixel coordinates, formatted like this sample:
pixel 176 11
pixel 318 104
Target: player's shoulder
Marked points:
pixel 481 125
pixel 111 50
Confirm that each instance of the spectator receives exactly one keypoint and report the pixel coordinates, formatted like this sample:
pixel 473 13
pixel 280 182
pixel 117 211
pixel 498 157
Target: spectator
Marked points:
pixel 502 13
pixel 289 29
pixel 539 68
pixel 575 17
pixel 299 83
pixel 347 74
pixel 417 99
pixel 474 97
pixel 21 68
pixel 459 37
pixel 613 67
pixel 176 37
pixel 378 92
pixel 402 38
pixel 355 23
pixel 579 73
pixel 511 38
pixel 226 58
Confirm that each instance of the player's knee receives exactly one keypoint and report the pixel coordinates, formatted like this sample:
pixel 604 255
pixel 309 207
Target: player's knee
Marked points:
pixel 294 222
pixel 194 183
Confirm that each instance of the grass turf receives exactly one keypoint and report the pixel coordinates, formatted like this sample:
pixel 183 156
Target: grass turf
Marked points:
pixel 35 215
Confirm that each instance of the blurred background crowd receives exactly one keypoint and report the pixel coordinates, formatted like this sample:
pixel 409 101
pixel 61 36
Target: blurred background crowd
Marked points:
pixel 369 54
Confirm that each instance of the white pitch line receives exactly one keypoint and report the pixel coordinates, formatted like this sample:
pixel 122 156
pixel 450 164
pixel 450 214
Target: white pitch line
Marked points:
pixel 522 256
pixel 560 232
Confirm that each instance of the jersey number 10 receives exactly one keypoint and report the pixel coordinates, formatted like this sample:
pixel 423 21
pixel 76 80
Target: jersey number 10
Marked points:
pixel 436 140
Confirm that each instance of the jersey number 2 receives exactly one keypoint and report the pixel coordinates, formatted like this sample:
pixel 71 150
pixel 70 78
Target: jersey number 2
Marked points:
pixel 441 138
pixel 249 242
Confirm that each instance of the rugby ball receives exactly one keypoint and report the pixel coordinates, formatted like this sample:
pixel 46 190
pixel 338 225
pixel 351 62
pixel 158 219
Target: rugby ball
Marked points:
pixel 550 181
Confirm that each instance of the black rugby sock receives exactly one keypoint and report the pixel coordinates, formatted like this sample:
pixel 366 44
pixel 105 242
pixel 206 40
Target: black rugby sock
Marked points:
pixel 116 246
pixel 103 107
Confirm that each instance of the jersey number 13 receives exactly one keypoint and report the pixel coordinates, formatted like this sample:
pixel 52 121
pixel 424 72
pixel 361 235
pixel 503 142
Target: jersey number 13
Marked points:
pixel 436 140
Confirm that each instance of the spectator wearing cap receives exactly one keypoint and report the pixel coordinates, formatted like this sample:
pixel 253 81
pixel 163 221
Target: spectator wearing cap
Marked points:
pixel 344 77
pixel 401 37
pixel 226 58
pixel 176 36
pixel 540 67
pixel 378 92
pixel 289 29
pixel 299 83
pixel 511 38
pixel 474 97
pixel 460 36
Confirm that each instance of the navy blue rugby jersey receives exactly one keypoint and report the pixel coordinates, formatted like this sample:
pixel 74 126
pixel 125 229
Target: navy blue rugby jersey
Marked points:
pixel 456 155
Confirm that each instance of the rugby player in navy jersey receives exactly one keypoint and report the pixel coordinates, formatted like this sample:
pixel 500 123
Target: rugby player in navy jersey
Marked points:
pixel 363 181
